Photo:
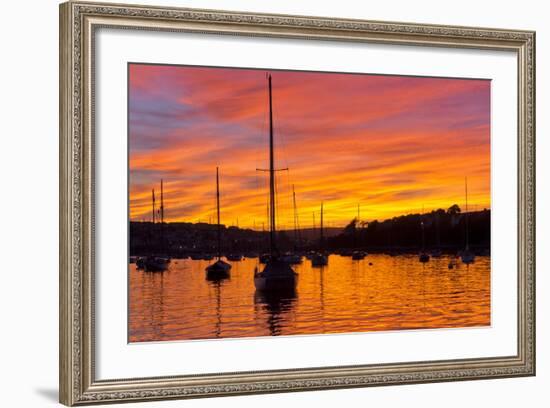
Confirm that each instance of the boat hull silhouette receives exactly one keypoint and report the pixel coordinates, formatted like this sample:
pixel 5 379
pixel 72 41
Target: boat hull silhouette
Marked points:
pixel 153 263
pixel 277 275
pixel 234 257
pixel 218 270
pixel 423 257
pixel 358 255
pixel 319 260
pixel 292 259
pixel 467 257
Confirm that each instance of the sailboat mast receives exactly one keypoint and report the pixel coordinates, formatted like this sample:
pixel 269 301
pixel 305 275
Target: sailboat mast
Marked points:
pixel 161 203
pixel 467 226
pixel 422 228
pixel 219 231
pixel 272 228
pixel 391 234
pixel 322 237
pixel 423 239
pixel 295 216
pixel 437 230
pixel 357 225
pixel 161 214
pixel 153 191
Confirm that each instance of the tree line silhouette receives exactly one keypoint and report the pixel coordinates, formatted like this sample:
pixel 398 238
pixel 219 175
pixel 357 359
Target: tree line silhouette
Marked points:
pixel 443 229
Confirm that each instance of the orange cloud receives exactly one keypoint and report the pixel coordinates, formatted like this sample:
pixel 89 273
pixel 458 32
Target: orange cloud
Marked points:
pixel 392 144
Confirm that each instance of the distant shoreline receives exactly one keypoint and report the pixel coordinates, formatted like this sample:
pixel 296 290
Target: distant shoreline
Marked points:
pixel 446 231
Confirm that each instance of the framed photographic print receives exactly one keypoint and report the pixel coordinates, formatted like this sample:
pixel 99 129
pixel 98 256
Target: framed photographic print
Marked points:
pixel 258 203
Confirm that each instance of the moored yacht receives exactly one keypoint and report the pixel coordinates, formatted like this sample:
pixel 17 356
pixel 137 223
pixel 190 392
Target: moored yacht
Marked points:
pixel 219 269
pixel 277 274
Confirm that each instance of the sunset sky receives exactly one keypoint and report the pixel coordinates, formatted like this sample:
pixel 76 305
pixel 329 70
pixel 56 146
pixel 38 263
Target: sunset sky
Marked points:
pixel 392 144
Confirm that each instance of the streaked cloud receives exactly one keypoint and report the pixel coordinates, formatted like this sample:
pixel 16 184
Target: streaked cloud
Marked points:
pixel 393 144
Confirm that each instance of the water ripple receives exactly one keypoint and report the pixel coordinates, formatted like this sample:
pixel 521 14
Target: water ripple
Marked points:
pixel 394 293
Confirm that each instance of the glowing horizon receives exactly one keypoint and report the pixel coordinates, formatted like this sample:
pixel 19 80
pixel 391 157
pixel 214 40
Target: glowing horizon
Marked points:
pixel 391 144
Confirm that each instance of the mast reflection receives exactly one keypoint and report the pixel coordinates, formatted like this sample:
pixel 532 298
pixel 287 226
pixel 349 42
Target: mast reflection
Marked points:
pixel 217 281
pixel 277 304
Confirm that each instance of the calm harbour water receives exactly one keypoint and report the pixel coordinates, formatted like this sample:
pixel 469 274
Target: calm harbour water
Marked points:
pixel 346 296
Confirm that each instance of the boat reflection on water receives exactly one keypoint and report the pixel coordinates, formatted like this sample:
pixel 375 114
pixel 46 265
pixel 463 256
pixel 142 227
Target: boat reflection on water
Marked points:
pixel 346 296
pixel 217 284
pixel 277 305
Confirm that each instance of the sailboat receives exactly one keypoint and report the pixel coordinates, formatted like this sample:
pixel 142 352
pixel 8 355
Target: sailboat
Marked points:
pixel 423 256
pixel 467 256
pixel 277 274
pixel 153 263
pixel 320 259
pixel 219 269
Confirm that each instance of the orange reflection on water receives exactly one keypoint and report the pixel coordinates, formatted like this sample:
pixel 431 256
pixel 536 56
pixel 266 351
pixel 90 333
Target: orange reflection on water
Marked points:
pixel 394 293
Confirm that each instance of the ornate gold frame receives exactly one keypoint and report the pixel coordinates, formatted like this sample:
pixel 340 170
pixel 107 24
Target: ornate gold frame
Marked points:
pixel 78 22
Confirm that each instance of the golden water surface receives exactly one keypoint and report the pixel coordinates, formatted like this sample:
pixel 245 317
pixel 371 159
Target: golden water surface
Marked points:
pixel 377 293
